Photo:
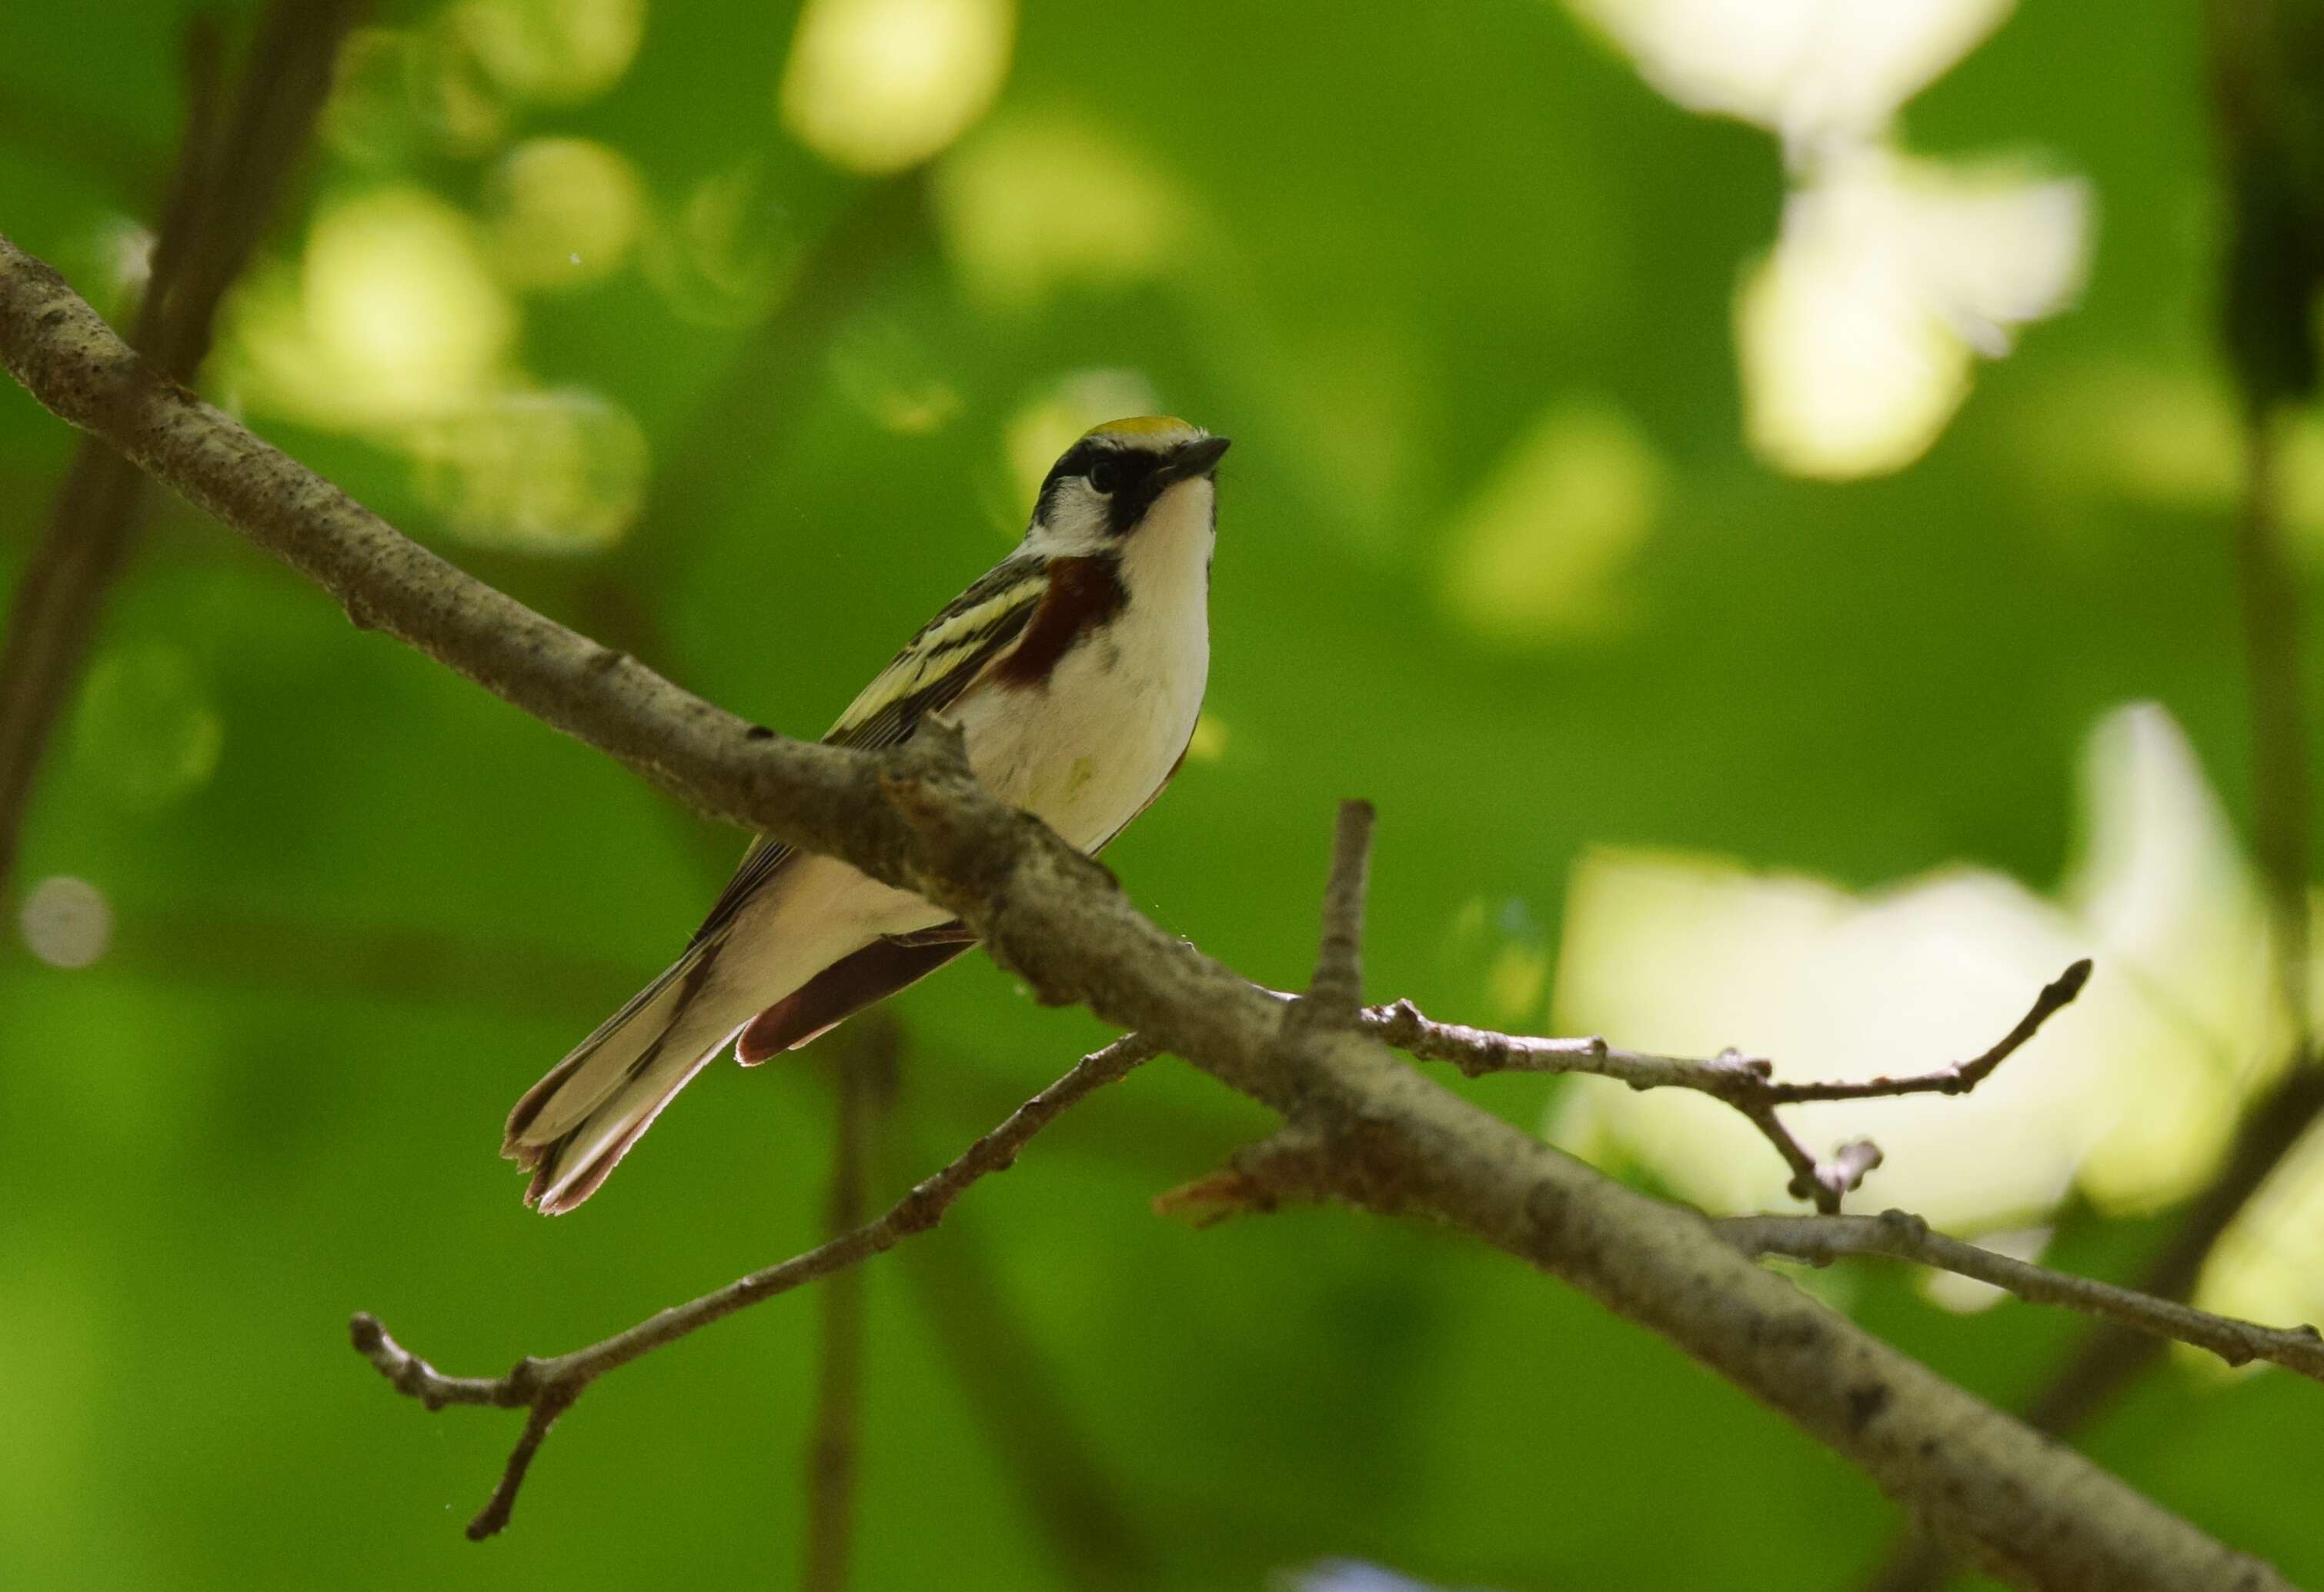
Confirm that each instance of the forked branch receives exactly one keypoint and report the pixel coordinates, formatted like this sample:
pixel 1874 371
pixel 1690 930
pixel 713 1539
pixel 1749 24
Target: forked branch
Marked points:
pixel 1305 1160
pixel 547 1389
pixel 1746 1083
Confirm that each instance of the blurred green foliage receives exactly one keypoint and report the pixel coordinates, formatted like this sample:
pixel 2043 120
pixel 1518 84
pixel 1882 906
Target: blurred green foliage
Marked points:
pixel 357 906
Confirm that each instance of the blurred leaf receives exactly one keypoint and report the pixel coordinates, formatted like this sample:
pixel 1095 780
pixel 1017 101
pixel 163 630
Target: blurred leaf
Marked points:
pixel 1496 551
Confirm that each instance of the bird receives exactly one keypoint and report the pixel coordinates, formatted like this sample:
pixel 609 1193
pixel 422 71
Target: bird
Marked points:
pixel 1075 668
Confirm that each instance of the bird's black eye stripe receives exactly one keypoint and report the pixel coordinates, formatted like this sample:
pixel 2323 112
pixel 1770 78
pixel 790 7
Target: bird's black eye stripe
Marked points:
pixel 1137 480
pixel 1078 459
pixel 1124 476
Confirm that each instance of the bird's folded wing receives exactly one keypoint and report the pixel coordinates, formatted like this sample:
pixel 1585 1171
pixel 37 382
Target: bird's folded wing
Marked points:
pixel 928 676
pixel 846 988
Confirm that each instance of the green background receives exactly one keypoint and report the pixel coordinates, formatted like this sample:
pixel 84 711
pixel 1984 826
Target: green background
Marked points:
pixel 350 931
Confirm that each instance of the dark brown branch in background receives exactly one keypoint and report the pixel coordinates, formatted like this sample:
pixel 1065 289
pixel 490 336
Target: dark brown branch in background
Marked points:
pixel 864 1066
pixel 230 178
pixel 767 386
pixel 547 1388
pixel 53 612
pixel 2263 68
pixel 1747 1083
pixel 2262 61
pixel 2269 591
pixel 2110 1357
pixel 2032 1512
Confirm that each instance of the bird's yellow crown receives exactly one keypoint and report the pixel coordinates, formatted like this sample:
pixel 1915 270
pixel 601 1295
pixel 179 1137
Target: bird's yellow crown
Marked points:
pixel 1143 429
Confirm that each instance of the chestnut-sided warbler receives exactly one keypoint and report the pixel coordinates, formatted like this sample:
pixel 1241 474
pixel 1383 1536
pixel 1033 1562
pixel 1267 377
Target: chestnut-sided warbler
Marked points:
pixel 1075 668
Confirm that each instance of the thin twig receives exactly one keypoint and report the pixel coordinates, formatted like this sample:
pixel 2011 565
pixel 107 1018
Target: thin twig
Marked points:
pixel 1745 1082
pixel 1820 1239
pixel 1957 1078
pixel 1336 995
pixel 1291 1163
pixel 1824 1182
pixel 547 1406
pixel 1811 1178
pixel 1730 1074
pixel 2106 1361
pixel 549 1387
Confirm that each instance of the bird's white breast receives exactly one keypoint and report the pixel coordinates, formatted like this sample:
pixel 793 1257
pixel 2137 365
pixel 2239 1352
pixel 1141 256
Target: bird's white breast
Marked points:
pixel 1085 751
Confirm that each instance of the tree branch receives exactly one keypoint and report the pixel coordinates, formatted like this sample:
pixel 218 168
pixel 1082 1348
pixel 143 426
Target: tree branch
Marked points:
pixel 1820 1239
pixel 547 1388
pixel 2033 1513
pixel 2106 1361
pixel 1747 1083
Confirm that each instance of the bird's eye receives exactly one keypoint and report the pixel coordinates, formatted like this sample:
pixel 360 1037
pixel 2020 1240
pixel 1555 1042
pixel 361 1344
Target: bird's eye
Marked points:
pixel 1104 476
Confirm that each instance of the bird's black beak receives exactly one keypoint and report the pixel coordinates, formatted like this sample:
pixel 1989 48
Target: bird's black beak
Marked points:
pixel 1195 460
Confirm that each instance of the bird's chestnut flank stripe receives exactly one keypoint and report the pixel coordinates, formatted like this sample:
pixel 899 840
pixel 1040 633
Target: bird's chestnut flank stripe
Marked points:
pixel 1084 595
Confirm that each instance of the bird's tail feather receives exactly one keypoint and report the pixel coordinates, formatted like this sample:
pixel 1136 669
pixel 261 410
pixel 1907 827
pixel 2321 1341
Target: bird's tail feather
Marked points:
pixel 572 1127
